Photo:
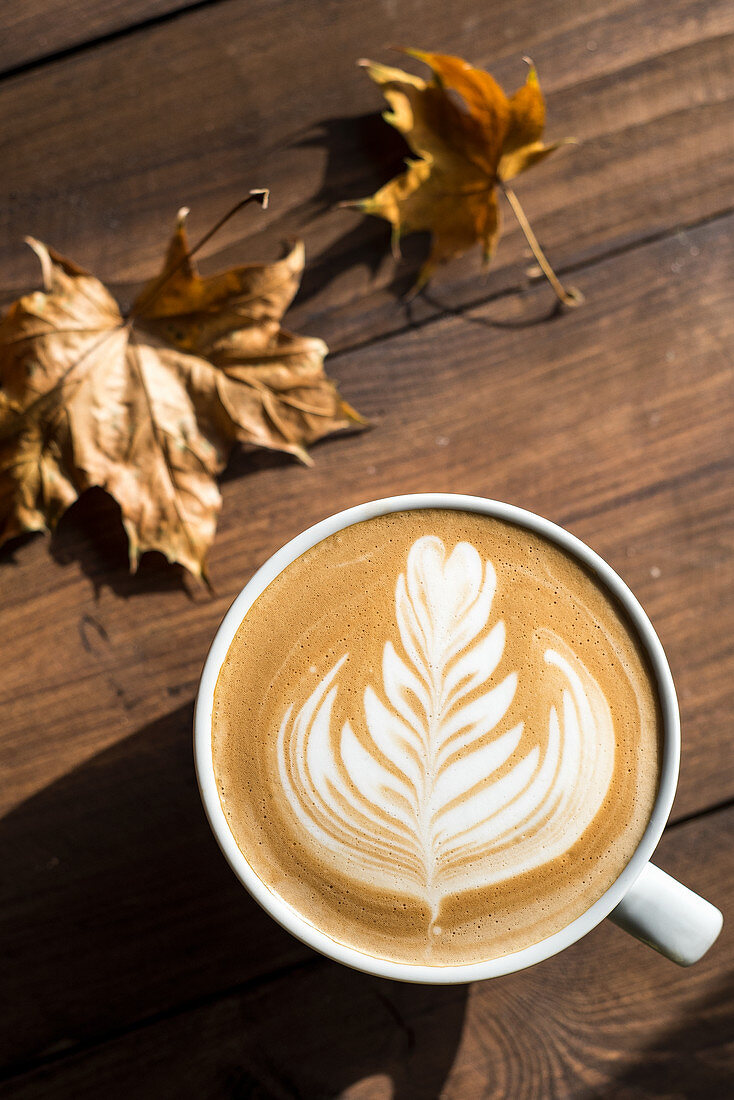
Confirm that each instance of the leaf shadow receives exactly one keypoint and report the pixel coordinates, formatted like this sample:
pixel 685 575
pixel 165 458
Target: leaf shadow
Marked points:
pixel 90 533
pixel 244 461
pixel 10 548
pixel 122 921
pixel 547 312
pixel 362 153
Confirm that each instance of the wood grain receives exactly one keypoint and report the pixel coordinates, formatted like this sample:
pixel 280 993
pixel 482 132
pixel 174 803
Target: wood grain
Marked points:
pixel 564 417
pixel 196 111
pixel 134 964
pixel 607 1017
pixel 111 861
pixel 34 30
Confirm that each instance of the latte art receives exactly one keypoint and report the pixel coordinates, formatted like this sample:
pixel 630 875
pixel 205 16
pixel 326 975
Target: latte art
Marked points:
pixel 436 737
pixel 439 792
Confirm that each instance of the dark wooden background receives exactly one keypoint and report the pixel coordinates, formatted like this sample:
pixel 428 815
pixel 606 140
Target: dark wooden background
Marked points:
pixel 134 965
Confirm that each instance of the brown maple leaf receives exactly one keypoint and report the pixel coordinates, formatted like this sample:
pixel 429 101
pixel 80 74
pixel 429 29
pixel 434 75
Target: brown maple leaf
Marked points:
pixel 469 138
pixel 148 404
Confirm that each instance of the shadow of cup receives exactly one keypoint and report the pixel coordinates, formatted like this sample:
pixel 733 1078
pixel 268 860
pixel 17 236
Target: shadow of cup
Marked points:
pixel 117 908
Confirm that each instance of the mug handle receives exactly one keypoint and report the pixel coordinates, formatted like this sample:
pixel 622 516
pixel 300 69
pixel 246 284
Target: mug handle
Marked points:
pixel 665 914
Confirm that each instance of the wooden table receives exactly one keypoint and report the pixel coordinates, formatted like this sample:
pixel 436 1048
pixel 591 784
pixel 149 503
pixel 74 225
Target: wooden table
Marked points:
pixel 134 964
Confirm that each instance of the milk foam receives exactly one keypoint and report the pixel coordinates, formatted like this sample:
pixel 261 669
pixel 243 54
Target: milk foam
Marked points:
pixel 444 793
pixel 436 737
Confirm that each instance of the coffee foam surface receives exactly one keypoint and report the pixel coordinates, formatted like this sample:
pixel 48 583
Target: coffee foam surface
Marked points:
pixel 436 737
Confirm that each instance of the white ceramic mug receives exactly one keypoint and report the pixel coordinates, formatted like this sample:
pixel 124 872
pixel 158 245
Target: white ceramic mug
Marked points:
pixel 643 900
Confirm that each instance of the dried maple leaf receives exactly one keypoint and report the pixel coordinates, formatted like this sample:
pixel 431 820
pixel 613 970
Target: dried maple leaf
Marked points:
pixel 148 404
pixel 469 137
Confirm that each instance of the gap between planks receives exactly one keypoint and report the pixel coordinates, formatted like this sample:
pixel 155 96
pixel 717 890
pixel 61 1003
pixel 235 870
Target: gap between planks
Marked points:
pixel 571 268
pixel 13 1072
pixel 102 39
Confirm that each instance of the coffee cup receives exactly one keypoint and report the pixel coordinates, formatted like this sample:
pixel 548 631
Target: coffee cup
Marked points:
pixel 641 899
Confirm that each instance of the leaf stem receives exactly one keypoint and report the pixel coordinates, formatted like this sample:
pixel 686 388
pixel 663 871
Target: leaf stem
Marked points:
pixel 570 297
pixel 260 196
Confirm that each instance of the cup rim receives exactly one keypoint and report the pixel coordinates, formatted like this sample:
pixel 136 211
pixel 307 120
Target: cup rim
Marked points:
pixel 285 914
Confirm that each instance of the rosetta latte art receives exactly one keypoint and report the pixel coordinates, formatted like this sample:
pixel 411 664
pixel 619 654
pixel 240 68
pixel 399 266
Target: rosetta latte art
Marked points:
pixel 438 785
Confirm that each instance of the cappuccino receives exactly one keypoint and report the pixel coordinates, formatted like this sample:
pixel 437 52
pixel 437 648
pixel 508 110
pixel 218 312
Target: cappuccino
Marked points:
pixel 436 737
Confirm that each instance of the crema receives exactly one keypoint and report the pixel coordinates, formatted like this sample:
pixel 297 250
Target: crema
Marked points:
pixel 436 736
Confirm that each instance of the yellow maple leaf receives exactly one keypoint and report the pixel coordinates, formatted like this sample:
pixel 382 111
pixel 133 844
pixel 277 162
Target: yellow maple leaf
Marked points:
pixel 468 137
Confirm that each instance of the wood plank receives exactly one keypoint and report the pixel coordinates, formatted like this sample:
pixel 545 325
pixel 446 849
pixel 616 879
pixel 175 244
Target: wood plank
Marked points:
pixel 616 188
pixel 678 556
pixel 197 110
pixel 614 419
pixel 563 417
pixel 118 866
pixel 119 918
pixel 608 1017
pixel 34 30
